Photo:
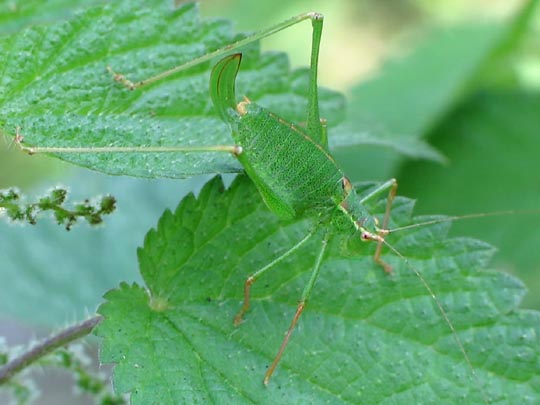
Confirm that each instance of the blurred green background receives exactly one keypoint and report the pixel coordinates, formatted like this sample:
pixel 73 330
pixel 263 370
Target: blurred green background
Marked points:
pixel 449 72
pixel 486 128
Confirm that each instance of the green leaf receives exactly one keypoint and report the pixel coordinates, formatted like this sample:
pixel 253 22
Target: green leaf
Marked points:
pixel 413 94
pixel 55 86
pixel 345 136
pixel 492 143
pixel 364 336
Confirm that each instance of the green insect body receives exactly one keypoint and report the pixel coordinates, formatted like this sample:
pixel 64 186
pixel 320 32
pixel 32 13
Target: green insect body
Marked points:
pixel 293 173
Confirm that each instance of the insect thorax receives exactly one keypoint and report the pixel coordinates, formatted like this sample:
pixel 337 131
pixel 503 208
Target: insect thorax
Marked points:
pixel 293 173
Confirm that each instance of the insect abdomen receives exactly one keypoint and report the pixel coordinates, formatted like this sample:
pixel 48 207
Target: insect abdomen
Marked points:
pixel 292 172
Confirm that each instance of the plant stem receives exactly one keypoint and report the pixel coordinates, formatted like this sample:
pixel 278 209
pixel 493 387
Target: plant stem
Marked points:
pixel 62 338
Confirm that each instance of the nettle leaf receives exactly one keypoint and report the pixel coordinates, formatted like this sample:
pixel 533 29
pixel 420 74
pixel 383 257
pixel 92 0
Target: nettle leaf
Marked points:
pixel 56 88
pixel 493 129
pixel 364 337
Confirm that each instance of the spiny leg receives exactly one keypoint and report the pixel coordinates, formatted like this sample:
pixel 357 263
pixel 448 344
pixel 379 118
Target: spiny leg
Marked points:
pixel 389 200
pixel 392 185
pixel 299 310
pixel 255 276
pixel 314 124
pixel 222 51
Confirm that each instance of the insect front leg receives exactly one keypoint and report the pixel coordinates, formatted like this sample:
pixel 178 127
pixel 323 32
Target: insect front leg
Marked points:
pixel 255 276
pixel 392 185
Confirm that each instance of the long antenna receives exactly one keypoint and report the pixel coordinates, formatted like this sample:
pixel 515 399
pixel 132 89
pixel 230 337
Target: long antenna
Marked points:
pixel 445 316
pixel 459 217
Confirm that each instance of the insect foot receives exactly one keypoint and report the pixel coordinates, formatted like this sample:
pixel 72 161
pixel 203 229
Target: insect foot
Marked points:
pixel 19 139
pixel 120 78
pixel 239 317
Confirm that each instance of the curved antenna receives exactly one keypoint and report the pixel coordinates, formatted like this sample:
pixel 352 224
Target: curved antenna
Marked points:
pixel 444 315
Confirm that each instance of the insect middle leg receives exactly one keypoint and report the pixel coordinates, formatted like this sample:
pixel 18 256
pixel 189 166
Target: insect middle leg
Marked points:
pixel 299 309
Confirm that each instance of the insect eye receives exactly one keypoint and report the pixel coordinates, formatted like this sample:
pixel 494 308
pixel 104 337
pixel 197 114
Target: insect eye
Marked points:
pixel 365 236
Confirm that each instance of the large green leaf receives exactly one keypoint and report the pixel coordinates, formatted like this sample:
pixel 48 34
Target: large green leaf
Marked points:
pixel 492 142
pixel 364 337
pixel 54 85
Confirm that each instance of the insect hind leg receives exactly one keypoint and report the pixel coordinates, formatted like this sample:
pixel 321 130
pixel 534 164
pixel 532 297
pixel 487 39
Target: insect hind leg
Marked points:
pixel 315 18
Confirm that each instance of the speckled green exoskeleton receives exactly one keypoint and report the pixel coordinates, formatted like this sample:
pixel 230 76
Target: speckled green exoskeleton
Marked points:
pixel 290 165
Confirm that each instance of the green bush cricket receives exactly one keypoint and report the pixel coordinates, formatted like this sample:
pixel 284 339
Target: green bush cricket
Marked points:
pixel 311 184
